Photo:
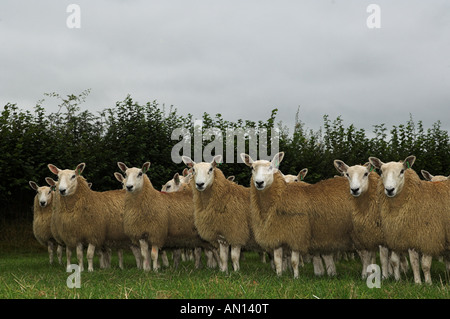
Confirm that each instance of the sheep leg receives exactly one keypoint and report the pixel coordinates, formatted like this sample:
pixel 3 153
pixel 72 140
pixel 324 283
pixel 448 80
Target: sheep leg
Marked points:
pixel 384 259
pixel 145 254
pixel 318 265
pixel 165 260
pixel 68 258
pixel 426 268
pixel 90 257
pixel 330 265
pixel 295 260
pixel 223 252
pixel 155 251
pixel 278 260
pixel 415 265
pixel 404 263
pixel 120 255
pixel 198 257
pixel 235 253
pixel 210 260
pixel 50 251
pixel 80 256
pixel 395 263
pixel 59 253
pixel 176 255
pixel 137 256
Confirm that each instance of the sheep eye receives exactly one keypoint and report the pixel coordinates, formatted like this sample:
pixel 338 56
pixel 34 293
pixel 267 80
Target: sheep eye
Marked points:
pixel 346 174
pixel 366 174
pixel 296 180
pixel 73 176
pixel 402 171
pixel 140 174
pixel 210 169
pixel 168 186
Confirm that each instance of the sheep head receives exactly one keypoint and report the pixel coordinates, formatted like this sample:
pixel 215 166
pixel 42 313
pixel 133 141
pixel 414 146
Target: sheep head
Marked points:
pixel 44 193
pixel 67 178
pixel 393 174
pixel 357 175
pixel 134 177
pixel 263 170
pixel 203 172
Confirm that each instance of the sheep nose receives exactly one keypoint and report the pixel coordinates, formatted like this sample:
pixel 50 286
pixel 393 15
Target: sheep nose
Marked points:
pixel 62 191
pixel 200 185
pixel 355 190
pixel 42 203
pixel 129 187
pixel 390 191
pixel 259 184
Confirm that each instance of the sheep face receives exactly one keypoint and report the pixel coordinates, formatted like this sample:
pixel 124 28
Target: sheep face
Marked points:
pixel 173 185
pixel 357 175
pixel 292 178
pixel 432 178
pixel 203 173
pixel 67 178
pixel 393 174
pixel 263 170
pixel 134 177
pixel 44 194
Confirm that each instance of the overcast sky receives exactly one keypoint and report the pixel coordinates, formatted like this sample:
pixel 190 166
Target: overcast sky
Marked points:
pixel 238 58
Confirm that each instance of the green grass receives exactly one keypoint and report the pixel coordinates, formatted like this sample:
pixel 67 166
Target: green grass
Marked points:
pixel 26 273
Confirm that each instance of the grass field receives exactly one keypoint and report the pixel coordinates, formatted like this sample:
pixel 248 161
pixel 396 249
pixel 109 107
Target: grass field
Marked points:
pixel 26 273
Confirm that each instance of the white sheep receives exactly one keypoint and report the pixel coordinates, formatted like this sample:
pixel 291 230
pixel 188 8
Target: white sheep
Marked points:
pixel 161 220
pixel 221 211
pixel 42 215
pixel 433 178
pixel 324 207
pixel 367 233
pixel 414 214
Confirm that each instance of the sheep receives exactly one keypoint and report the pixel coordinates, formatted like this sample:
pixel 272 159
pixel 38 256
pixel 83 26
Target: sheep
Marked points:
pixel 221 211
pixel 414 214
pixel 86 217
pixel 274 229
pixel 314 218
pixel 432 178
pixel 367 233
pixel 42 216
pixel 163 220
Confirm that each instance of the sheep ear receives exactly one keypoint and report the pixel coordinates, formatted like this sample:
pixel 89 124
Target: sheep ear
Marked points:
pixel 90 185
pixel 176 178
pixel 188 161
pixel 33 185
pixel 301 175
pixel 185 172
pixel 50 181
pixel 80 168
pixel 119 177
pixel 246 159
pixel 426 175
pixel 409 161
pixel 145 167
pixel 340 166
pixel 231 178
pixel 122 166
pixel 375 162
pixel 216 160
pixel 55 170
pixel 276 160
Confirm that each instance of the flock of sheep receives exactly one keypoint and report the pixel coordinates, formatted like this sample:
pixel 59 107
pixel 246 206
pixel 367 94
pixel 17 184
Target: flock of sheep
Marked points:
pixel 395 213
